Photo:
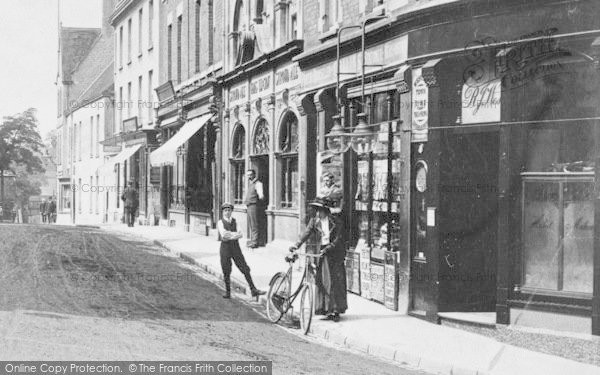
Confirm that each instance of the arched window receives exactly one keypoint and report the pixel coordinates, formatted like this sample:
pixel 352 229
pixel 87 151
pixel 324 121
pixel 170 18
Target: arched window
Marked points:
pixel 260 143
pixel 238 166
pixel 288 160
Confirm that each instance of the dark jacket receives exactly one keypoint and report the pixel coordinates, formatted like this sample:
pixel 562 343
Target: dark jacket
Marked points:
pixel 51 207
pixel 312 237
pixel 130 197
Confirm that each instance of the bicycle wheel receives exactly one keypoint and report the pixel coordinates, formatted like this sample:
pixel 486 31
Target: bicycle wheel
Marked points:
pixel 306 308
pixel 277 297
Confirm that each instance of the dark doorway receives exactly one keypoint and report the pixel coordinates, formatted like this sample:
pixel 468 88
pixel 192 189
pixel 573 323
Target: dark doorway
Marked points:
pixel 261 165
pixel 468 221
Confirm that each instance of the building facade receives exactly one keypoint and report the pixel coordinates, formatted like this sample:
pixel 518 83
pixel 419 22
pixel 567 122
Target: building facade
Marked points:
pixel 474 215
pixel 85 100
pixel 137 47
pixel 262 128
pixel 186 165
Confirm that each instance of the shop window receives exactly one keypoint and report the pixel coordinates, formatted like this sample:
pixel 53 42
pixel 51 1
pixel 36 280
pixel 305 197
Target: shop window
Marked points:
pixel 238 164
pixel 288 161
pixel 558 233
pixel 560 149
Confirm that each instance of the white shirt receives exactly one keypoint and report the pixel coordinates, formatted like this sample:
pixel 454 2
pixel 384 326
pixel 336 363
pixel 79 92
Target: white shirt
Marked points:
pixel 259 189
pixel 222 229
pixel 325 231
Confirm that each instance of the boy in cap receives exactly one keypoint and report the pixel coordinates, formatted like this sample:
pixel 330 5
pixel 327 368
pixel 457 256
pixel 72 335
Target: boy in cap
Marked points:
pixel 230 250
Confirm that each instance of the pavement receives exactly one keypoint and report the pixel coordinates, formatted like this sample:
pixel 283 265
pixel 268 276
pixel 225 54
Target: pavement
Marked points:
pixel 368 326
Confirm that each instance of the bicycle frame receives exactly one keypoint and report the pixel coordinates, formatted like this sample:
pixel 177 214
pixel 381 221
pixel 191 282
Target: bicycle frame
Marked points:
pixel 292 296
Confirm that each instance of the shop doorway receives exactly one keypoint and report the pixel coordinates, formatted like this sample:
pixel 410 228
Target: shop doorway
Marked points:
pixel 261 165
pixel 468 222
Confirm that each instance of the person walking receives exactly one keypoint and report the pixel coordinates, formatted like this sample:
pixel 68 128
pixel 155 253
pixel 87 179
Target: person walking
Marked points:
pixel 230 250
pixel 43 211
pixel 130 197
pixel 324 235
pixel 253 200
pixel 51 211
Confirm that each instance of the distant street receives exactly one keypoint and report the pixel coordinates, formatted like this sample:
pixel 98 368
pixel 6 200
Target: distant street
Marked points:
pixel 80 294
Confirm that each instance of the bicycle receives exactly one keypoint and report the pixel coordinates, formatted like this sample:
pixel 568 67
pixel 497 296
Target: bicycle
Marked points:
pixel 280 297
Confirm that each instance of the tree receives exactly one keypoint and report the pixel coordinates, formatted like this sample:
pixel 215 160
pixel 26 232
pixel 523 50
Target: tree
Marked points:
pixel 20 145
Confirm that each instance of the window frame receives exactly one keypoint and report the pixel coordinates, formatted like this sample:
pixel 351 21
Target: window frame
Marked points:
pixel 237 163
pixel 287 156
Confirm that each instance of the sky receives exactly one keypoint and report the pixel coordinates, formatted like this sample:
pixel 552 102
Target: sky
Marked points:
pixel 28 51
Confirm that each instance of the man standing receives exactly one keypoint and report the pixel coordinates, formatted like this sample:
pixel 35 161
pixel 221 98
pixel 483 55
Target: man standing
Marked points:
pixel 254 197
pixel 51 211
pixel 130 197
pixel 43 210
pixel 230 250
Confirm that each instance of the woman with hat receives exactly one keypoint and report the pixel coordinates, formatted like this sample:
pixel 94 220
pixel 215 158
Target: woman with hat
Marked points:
pixel 324 235
pixel 230 250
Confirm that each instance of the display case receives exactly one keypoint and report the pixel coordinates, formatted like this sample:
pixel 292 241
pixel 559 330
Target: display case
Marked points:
pixel 377 236
pixel 557 233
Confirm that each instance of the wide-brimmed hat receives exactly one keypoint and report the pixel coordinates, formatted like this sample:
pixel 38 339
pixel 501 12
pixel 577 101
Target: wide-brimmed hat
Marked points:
pixel 322 203
pixel 226 205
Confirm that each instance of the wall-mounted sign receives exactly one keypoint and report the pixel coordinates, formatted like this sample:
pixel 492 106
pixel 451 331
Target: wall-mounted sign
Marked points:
pixel 420 107
pixel 260 85
pixel 287 76
pixel 481 102
pixel 238 94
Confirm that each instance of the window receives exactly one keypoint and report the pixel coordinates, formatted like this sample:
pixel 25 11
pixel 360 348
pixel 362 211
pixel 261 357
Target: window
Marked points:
pixel 288 161
pixel 91 202
pixel 78 202
pixel 140 102
pixel 129 31
pixel 140 33
pixel 197 33
pixel 97 195
pixel 121 47
pixel 150 22
pixel 330 14
pixel 91 136
pixel 238 166
pixel 179 35
pixel 120 110
pixel 79 144
pixel 129 103
pixel 558 234
pixel 294 27
pixel 169 52
pixel 97 136
pixel 150 104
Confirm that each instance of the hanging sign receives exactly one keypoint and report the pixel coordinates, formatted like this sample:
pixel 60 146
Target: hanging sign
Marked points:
pixel 481 102
pixel 420 107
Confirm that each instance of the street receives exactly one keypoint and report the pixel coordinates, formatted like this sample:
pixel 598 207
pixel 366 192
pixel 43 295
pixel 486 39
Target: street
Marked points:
pixel 69 293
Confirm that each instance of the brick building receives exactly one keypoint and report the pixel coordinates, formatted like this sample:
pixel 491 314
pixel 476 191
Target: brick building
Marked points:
pixel 185 166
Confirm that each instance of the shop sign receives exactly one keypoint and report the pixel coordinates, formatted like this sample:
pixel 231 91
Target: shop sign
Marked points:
pixel 260 85
pixel 287 77
pixel 481 102
pixel 420 107
pixel 237 94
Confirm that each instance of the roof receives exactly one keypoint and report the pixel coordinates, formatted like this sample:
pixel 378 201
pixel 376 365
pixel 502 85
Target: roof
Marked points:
pixel 93 76
pixel 75 44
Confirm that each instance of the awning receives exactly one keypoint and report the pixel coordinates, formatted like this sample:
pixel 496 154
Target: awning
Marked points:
pixel 125 154
pixel 167 153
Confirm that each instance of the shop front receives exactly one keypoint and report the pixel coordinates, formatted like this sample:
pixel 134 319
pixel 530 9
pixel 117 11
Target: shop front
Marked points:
pixel 262 132
pixel 504 144
pixel 362 138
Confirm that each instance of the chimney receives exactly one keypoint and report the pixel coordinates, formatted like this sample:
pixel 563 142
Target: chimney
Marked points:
pixel 108 7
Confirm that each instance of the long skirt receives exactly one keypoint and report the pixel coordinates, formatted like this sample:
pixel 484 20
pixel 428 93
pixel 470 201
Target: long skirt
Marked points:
pixel 330 286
